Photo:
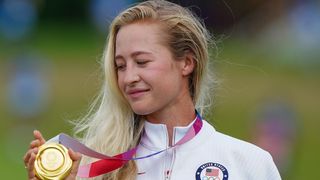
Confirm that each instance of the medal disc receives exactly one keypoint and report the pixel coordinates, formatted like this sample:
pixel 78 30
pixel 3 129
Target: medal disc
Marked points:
pixel 52 162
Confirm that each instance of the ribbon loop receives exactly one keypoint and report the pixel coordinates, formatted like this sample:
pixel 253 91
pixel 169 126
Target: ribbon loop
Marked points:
pixel 106 163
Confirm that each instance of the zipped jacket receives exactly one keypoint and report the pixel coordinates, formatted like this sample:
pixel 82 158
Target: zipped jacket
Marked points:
pixel 210 155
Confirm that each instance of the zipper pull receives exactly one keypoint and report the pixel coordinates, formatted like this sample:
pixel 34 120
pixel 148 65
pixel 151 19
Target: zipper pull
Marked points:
pixel 167 174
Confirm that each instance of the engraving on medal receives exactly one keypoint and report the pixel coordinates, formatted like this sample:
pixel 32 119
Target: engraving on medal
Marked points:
pixel 52 162
pixel 52 159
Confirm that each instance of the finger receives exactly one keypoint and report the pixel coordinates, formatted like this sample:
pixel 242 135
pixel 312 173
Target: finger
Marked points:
pixel 34 143
pixel 76 157
pixel 37 135
pixel 27 157
pixel 31 166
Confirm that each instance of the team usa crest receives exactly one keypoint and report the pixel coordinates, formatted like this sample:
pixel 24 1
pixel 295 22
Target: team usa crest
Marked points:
pixel 212 171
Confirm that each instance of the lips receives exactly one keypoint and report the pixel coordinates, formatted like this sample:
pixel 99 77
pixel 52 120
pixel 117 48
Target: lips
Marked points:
pixel 136 93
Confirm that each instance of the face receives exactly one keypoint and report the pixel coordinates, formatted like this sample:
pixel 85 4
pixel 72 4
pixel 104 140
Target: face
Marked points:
pixel 148 76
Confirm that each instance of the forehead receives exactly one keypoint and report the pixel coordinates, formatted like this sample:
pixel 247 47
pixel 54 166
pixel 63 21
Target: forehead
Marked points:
pixel 139 36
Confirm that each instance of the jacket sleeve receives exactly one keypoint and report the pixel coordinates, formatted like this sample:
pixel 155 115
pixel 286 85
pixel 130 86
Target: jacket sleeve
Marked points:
pixel 264 168
pixel 272 171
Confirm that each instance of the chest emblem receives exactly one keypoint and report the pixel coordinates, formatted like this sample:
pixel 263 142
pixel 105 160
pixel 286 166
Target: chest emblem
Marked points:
pixel 212 171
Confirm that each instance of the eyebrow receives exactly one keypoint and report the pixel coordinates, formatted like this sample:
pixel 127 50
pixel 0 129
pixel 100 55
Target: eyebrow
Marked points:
pixel 134 54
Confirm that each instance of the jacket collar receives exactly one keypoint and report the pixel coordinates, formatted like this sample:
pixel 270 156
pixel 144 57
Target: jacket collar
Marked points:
pixel 155 136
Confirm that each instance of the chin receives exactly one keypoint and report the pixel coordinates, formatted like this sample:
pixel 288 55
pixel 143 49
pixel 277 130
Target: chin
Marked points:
pixel 141 110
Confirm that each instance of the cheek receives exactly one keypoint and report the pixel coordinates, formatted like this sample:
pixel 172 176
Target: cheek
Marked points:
pixel 160 70
pixel 120 82
pixel 163 80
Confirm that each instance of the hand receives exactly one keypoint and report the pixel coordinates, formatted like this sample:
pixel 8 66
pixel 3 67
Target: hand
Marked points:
pixel 30 157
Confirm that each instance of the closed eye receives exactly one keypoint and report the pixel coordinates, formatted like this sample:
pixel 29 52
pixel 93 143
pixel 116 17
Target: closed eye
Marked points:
pixel 120 67
pixel 142 62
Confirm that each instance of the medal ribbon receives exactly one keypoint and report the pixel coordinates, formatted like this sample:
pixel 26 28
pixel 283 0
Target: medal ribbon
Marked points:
pixel 110 163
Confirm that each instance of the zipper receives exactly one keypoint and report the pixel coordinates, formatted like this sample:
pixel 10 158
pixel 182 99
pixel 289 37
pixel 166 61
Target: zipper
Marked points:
pixel 169 171
pixel 170 159
pixel 167 159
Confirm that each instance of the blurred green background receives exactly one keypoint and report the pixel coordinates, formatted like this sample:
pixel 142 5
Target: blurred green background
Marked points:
pixel 266 60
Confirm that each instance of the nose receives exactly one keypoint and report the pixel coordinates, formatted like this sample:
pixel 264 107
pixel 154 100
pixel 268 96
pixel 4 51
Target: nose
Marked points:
pixel 131 75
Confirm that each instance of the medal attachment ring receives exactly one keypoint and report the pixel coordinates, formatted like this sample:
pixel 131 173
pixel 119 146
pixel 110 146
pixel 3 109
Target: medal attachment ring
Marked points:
pixel 52 162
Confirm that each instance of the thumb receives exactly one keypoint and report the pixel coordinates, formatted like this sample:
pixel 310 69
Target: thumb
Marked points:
pixel 76 158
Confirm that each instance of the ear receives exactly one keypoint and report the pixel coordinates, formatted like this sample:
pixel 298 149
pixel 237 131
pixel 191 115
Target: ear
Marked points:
pixel 188 64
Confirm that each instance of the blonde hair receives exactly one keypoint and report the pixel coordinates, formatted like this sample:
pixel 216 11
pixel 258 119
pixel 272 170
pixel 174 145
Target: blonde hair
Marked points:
pixel 111 127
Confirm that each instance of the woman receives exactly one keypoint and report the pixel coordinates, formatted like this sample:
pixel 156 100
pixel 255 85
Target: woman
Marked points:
pixel 156 75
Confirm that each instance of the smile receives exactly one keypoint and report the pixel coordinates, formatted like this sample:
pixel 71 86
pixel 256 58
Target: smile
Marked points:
pixel 137 93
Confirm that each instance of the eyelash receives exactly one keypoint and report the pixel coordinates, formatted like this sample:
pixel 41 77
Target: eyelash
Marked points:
pixel 120 67
pixel 142 62
pixel 139 62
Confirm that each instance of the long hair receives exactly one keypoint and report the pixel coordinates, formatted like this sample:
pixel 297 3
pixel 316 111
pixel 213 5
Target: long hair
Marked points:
pixel 111 127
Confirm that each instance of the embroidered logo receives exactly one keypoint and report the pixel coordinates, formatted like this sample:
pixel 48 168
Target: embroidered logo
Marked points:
pixel 212 171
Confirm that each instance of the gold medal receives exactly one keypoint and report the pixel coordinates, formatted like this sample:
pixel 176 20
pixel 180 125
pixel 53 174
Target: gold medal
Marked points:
pixel 52 162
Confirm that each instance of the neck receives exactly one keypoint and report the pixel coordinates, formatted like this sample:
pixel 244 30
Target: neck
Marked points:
pixel 172 117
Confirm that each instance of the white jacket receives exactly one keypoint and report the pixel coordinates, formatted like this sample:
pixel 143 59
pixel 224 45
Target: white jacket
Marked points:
pixel 208 156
